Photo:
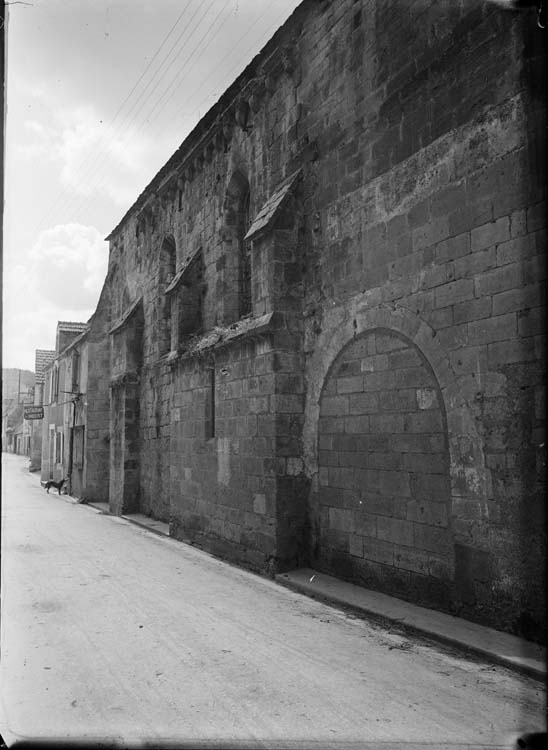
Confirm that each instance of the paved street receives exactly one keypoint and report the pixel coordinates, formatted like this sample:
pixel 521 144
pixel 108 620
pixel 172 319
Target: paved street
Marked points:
pixel 111 631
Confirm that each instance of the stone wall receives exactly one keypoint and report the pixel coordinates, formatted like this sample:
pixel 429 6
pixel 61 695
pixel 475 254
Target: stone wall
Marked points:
pixel 358 383
pixel 98 436
pixel 382 509
pixel 433 230
pixel 223 484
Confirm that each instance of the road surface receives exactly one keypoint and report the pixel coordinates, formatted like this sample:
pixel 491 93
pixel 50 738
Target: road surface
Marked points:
pixel 112 632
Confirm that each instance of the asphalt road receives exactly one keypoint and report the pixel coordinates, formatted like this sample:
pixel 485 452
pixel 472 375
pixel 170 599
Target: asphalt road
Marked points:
pixel 112 632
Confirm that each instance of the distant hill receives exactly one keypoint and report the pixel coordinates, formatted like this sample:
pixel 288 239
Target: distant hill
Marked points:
pixel 11 382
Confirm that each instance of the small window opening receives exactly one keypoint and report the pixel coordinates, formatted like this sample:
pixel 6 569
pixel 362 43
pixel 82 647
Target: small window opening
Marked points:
pixel 245 256
pixel 210 405
pixel 168 256
pixel 191 299
pixel 75 385
pixel 55 385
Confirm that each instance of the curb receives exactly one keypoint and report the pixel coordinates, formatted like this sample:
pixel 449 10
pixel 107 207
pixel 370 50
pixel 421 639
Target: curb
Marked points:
pixel 141 525
pixel 385 619
pixel 528 670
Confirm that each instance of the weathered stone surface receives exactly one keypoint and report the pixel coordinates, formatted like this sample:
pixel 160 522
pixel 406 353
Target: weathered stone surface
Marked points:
pixel 357 385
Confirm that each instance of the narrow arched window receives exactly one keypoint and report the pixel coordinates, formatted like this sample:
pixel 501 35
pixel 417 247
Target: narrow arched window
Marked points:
pixel 166 272
pixel 236 269
pixel 244 256
pixel 168 262
pixel 191 302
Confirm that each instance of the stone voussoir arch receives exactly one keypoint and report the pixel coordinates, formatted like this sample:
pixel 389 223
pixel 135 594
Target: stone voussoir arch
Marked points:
pixel 341 324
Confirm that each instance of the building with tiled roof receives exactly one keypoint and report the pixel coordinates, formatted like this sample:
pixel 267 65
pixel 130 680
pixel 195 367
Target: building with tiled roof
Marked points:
pixel 64 388
pixel 67 331
pixel 43 358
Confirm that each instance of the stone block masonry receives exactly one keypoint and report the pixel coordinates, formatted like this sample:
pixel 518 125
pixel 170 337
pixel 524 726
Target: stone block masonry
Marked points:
pixel 393 491
pixel 223 480
pixel 442 234
pixel 97 425
pixel 342 282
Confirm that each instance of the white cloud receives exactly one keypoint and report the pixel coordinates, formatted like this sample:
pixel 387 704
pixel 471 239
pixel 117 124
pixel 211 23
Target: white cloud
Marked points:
pixel 70 262
pixel 97 158
pixel 79 140
pixel 62 281
pixel 39 142
pixel 93 157
pixel 35 127
pixel 26 330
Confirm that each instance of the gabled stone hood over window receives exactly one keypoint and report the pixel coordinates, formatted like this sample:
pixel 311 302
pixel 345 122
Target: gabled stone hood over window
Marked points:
pixel 268 213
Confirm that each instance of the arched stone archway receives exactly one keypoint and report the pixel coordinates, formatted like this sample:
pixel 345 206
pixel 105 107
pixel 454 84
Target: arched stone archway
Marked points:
pixel 349 339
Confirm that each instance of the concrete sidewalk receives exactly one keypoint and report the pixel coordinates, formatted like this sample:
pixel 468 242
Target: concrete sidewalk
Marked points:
pixel 146 522
pixel 496 646
pixel 500 648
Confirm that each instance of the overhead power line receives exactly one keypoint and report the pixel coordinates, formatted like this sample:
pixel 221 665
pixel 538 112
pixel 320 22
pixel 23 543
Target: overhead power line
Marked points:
pixel 89 157
pixel 146 121
pixel 177 77
pixel 238 66
pixel 96 161
pixel 155 75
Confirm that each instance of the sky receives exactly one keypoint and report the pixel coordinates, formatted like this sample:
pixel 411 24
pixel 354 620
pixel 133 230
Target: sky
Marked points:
pixel 99 96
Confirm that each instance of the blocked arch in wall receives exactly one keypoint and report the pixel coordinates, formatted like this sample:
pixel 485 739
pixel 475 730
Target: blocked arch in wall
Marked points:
pixel 346 329
pixel 381 512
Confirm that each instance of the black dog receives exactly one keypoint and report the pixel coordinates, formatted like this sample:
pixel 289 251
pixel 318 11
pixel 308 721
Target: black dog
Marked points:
pixel 57 485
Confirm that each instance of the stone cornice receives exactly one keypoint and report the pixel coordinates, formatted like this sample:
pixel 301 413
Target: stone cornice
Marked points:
pixel 217 338
pixel 129 377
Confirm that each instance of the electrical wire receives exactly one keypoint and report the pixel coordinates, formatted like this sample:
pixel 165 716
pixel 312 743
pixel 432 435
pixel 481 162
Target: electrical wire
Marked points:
pixel 142 94
pixel 259 18
pixel 98 165
pixel 237 66
pixel 244 58
pixel 99 162
pixel 182 68
pixel 155 108
pixel 147 121
pixel 90 155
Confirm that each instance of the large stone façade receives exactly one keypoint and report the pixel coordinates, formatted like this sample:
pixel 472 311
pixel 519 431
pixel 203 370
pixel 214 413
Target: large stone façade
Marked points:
pixel 321 336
